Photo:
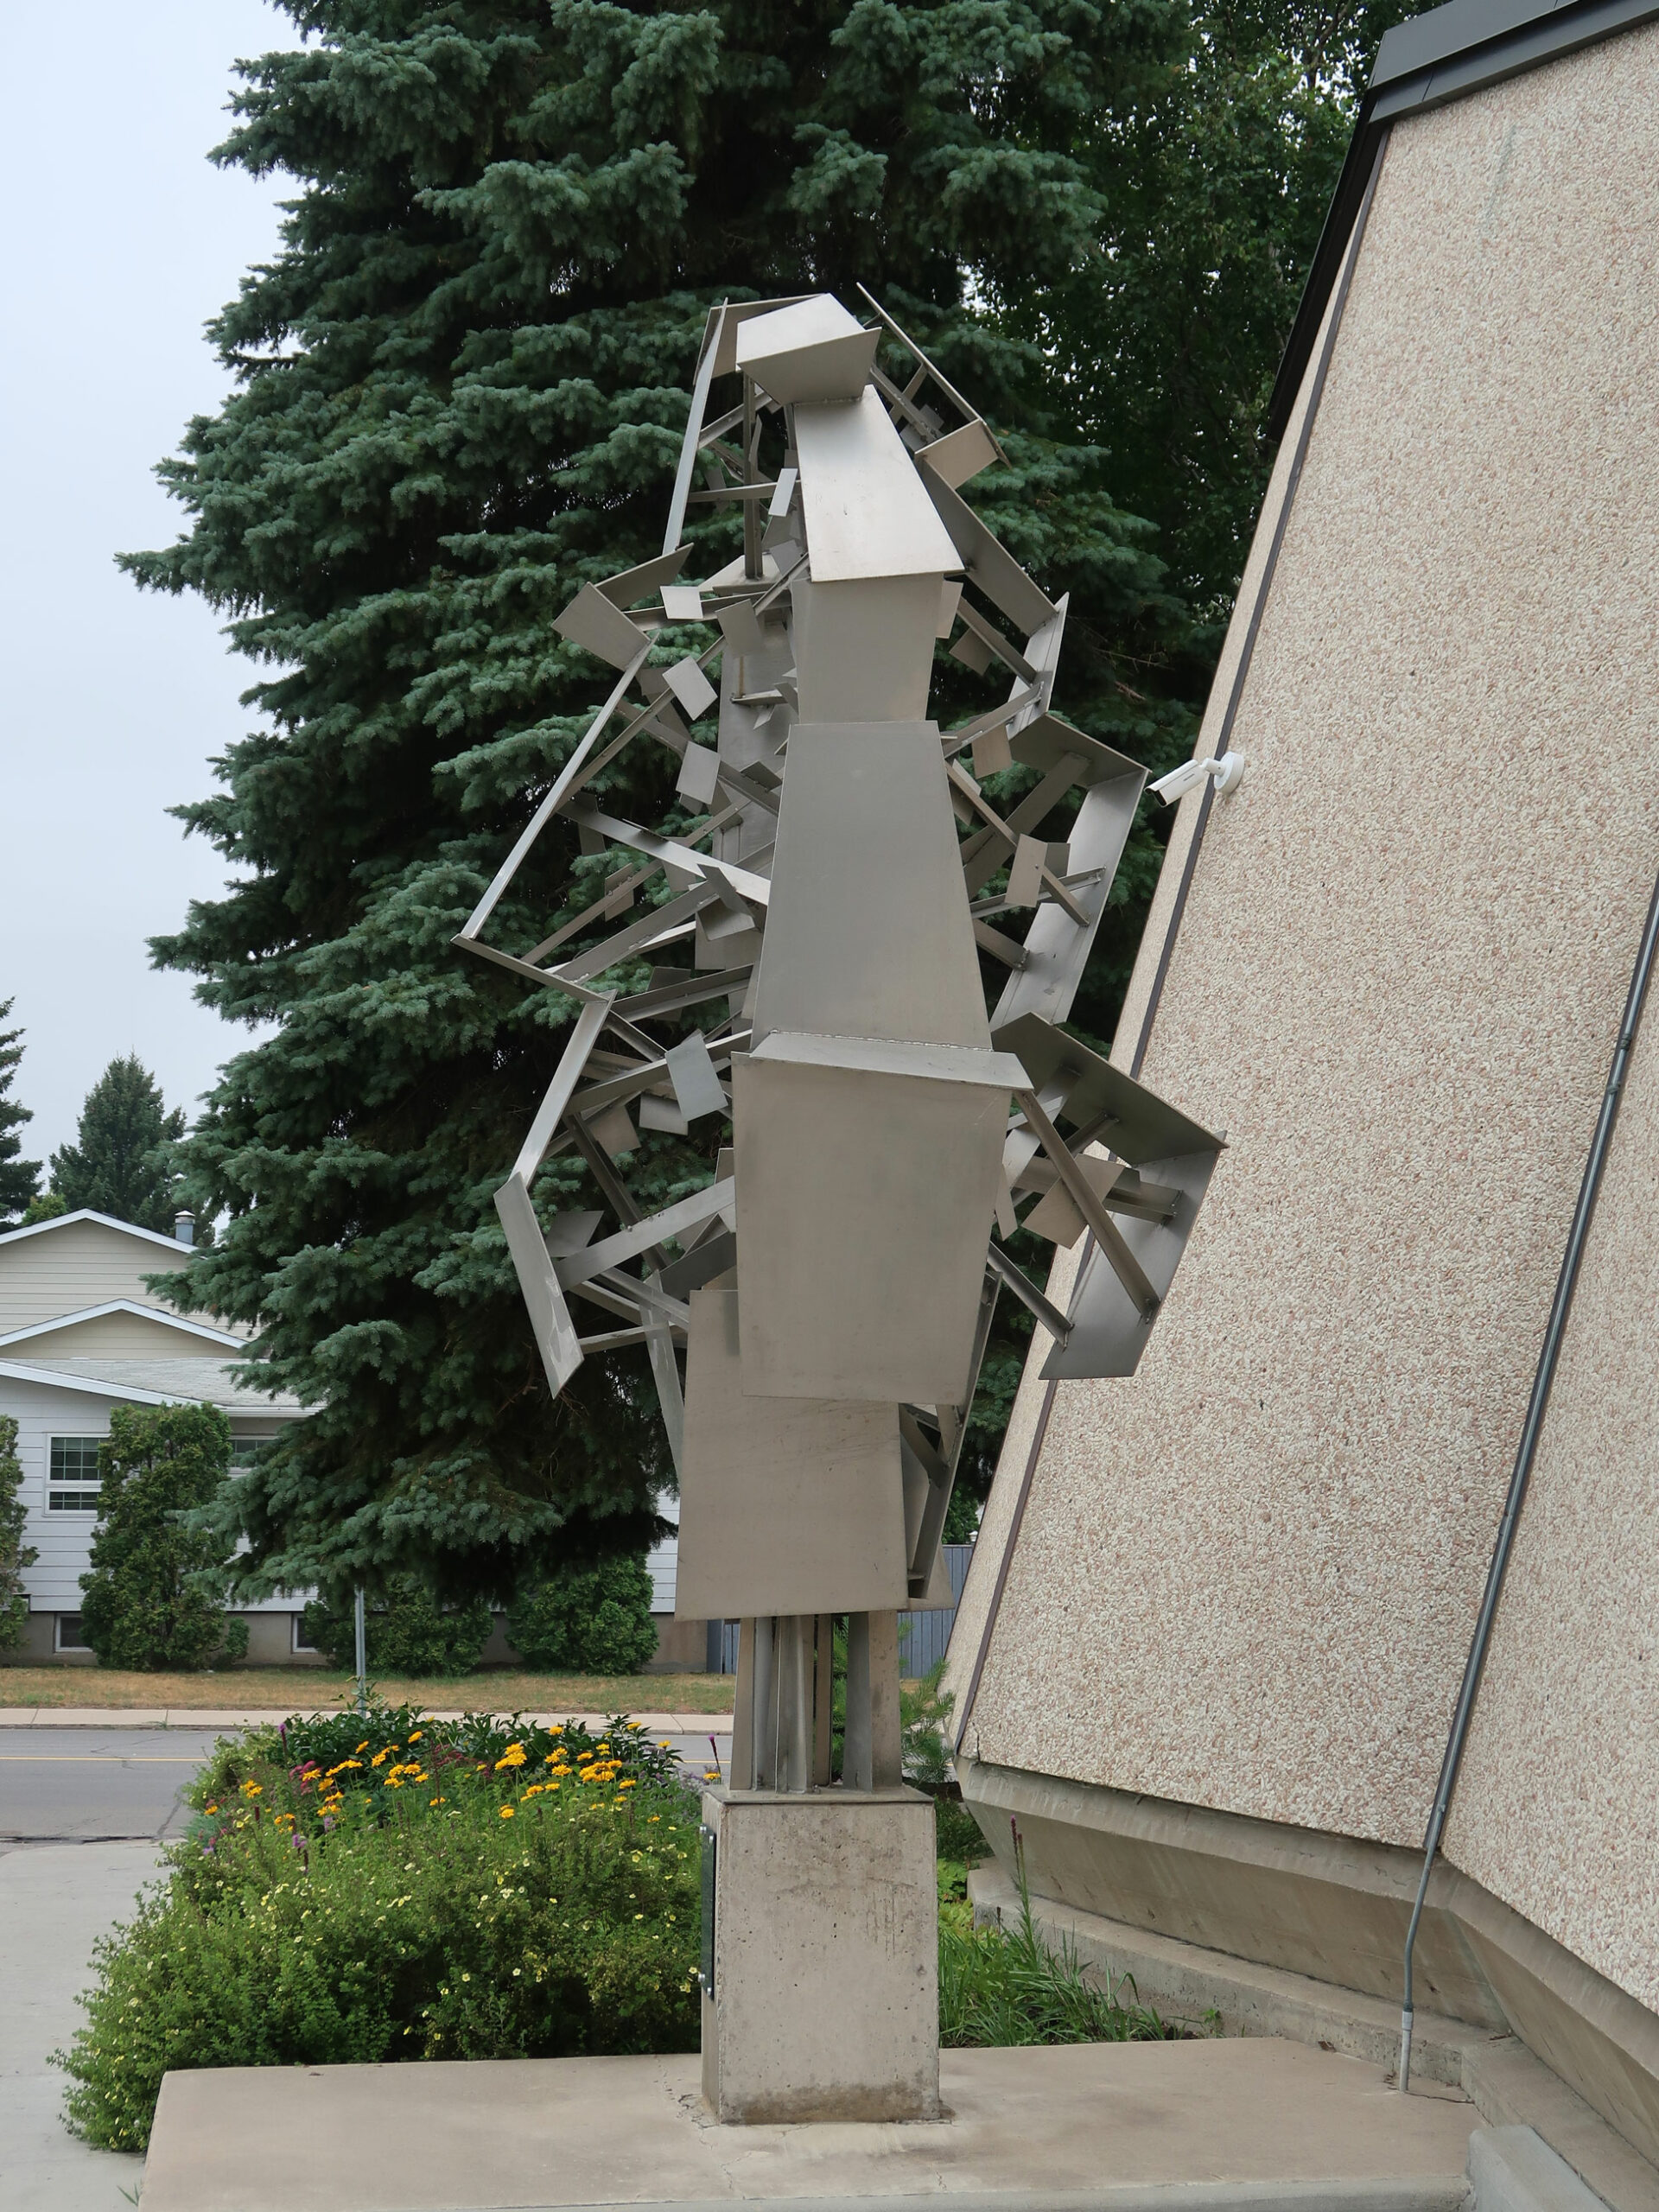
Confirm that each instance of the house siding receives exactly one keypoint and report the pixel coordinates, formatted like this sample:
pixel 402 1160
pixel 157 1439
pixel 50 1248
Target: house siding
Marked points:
pixel 65 1270
pixel 110 1336
pixel 64 1540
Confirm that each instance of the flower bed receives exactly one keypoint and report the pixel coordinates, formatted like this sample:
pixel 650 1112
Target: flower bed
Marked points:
pixel 365 1889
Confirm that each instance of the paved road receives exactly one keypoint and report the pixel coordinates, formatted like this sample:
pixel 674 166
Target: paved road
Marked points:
pixel 95 1785
pixel 54 1903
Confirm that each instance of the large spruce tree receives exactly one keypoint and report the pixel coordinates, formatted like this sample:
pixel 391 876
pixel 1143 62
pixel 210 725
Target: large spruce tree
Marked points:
pixel 459 393
pixel 20 1179
pixel 121 1161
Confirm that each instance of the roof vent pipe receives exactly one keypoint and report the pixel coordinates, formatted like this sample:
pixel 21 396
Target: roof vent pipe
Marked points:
pixel 184 1228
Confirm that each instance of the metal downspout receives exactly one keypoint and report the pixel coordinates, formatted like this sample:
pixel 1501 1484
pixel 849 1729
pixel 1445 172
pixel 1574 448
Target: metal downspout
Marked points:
pixel 1537 1406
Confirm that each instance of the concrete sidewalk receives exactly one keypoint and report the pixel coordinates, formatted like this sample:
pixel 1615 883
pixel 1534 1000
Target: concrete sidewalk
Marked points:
pixel 1202 2126
pixel 54 1903
pixel 182 1716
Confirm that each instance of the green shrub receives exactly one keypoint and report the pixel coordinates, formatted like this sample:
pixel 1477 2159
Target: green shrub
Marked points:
pixel 1002 1985
pixel 428 1900
pixel 407 1632
pixel 587 1620
pixel 15 1554
pixel 153 1600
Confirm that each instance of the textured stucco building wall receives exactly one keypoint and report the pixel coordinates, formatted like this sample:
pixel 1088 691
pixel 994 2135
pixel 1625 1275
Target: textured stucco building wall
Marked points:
pixel 1557 1812
pixel 1247 1577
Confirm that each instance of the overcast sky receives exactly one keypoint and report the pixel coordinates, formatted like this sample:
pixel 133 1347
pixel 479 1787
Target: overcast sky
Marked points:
pixel 121 241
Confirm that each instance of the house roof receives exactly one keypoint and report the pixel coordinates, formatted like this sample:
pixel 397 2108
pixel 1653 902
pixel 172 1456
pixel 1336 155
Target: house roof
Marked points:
pixel 89 1213
pixel 155 1383
pixel 198 1330
pixel 1435 57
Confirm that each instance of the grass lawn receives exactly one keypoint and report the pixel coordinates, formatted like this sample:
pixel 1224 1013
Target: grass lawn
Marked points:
pixel 314 1690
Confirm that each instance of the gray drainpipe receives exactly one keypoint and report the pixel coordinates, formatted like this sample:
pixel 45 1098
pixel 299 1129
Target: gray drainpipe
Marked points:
pixel 1537 1406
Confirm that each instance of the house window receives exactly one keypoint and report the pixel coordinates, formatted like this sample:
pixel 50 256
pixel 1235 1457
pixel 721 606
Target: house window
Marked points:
pixel 74 1484
pixel 71 1636
pixel 246 1452
pixel 299 1644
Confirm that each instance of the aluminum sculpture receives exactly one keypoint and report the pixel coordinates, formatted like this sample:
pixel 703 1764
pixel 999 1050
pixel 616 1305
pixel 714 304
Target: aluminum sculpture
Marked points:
pixel 832 1286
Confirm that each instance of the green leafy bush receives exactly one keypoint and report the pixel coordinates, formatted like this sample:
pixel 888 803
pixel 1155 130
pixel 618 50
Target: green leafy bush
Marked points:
pixel 587 1620
pixel 407 1631
pixel 153 1600
pixel 15 1554
pixel 357 1892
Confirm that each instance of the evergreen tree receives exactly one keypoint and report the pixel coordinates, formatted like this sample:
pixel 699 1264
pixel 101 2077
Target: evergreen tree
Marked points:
pixel 15 1554
pixel 20 1179
pixel 121 1163
pixel 461 387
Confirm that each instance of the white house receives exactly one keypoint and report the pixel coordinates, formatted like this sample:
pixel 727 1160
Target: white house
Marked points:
pixel 81 1333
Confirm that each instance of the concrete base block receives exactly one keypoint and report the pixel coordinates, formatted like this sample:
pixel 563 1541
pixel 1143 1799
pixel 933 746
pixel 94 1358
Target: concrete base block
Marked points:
pixel 825 2002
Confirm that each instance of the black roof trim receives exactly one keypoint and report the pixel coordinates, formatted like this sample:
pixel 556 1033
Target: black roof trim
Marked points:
pixel 1433 58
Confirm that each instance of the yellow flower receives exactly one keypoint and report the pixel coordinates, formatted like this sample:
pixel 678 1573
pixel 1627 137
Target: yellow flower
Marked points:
pixel 627 1785
pixel 416 1737
pixel 435 1800
pixel 378 1756
pixel 506 1811
pixel 363 1746
pixel 251 1789
pixel 210 1809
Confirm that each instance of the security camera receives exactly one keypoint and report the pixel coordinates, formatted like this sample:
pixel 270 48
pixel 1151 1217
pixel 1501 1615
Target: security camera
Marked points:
pixel 1226 771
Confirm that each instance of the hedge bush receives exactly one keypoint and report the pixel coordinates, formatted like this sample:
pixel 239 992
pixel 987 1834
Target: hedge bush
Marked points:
pixel 407 1633
pixel 358 1890
pixel 154 1599
pixel 587 1620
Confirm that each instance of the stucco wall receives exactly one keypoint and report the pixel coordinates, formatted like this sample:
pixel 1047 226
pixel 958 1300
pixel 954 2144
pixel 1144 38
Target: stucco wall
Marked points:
pixel 1558 1808
pixel 1248 1576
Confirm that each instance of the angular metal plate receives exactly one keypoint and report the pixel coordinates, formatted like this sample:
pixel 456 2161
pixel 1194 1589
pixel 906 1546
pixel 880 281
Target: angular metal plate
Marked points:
pixel 549 1317
pixel 1109 1331
pixel 867 512
pixel 868 932
pixel 1144 1126
pixel 863 651
pixel 786 1505
pixel 865 1202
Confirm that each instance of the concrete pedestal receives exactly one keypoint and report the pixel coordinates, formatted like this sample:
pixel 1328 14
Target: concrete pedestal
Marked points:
pixel 824 1956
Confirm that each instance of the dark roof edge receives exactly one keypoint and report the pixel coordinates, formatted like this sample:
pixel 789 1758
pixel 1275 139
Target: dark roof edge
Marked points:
pixel 1435 57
